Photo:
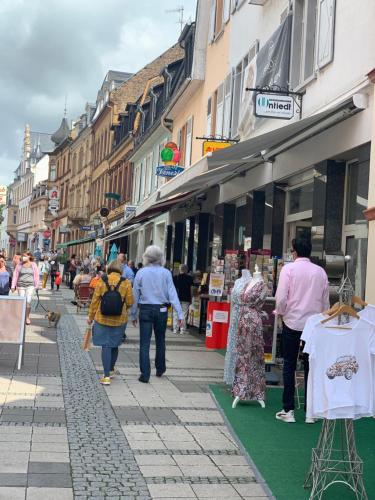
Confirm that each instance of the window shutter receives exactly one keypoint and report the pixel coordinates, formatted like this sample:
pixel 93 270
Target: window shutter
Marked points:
pixel 211 32
pixel 326 30
pixel 226 11
pixel 209 117
pixel 219 111
pixel 189 140
pixel 227 105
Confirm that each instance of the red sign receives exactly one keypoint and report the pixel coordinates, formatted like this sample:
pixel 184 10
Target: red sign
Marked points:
pixel 47 234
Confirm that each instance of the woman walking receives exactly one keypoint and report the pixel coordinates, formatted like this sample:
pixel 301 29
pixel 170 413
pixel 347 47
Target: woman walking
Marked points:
pixel 4 277
pixel 26 280
pixel 109 308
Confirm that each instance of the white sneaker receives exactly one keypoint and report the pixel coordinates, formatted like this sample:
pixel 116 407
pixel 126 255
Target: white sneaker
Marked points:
pixel 309 420
pixel 286 416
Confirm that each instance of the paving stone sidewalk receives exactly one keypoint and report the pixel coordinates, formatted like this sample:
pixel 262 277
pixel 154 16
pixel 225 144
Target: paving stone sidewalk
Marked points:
pixel 65 436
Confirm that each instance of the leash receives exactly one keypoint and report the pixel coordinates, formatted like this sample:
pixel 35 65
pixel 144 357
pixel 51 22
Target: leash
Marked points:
pixel 39 303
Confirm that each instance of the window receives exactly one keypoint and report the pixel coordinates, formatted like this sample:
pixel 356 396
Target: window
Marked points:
pixel 226 10
pixel 142 181
pixel 325 32
pixel 303 41
pixel 209 117
pixel 219 110
pixel 148 175
pixel 189 138
pixel 301 199
pixel 357 191
pixel 238 84
pixel 227 105
pixel 184 138
pixel 217 14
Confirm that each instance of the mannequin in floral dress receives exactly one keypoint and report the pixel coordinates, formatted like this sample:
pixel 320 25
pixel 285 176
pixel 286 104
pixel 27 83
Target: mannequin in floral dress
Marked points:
pixel 235 310
pixel 249 380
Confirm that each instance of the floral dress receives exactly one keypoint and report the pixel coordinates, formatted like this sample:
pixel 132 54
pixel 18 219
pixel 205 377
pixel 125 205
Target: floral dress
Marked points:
pixel 249 380
pixel 235 310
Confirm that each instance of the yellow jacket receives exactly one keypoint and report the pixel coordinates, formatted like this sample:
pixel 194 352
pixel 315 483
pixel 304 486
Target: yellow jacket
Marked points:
pixel 126 292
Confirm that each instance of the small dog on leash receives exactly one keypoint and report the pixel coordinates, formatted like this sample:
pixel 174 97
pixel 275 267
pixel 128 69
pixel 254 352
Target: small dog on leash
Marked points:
pixel 53 318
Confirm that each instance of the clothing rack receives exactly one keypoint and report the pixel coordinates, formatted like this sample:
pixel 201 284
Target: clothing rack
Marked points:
pixel 335 459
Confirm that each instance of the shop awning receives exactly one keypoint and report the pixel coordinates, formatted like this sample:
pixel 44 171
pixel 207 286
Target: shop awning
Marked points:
pixel 283 138
pixel 120 231
pixel 155 210
pixel 74 242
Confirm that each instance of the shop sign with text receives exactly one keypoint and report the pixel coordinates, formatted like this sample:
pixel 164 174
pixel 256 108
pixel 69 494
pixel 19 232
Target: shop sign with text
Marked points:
pixel 130 210
pixel 170 156
pixel 216 285
pixel 211 146
pixel 274 106
pixel 168 171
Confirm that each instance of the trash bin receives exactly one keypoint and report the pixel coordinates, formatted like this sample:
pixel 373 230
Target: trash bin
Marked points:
pixel 217 326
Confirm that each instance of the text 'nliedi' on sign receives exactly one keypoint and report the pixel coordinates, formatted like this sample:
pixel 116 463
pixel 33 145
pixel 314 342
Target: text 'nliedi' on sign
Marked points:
pixel 274 106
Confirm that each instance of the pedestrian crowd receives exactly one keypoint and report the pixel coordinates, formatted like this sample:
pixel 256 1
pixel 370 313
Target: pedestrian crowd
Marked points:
pixel 126 293
pixel 119 292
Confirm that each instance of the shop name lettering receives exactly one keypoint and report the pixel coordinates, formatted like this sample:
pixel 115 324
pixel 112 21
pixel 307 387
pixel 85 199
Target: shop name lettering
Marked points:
pixel 169 171
pixel 280 107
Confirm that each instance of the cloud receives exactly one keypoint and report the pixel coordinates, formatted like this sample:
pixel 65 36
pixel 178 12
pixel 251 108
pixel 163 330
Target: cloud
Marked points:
pixel 54 48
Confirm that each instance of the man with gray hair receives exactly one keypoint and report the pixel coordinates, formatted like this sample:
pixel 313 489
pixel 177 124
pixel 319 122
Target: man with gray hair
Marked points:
pixel 153 292
pixel 183 283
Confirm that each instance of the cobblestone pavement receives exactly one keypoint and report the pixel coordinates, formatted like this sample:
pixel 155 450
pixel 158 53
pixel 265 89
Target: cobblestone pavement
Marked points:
pixel 62 432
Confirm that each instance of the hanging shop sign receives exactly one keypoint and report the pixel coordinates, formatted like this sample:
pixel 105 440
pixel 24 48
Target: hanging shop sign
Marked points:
pixel 274 106
pixel 211 146
pixel 129 210
pixel 170 156
pixel 21 237
pixel 53 200
pixel 113 196
pixel 164 171
pixel 216 285
pixel 54 193
pixel 86 228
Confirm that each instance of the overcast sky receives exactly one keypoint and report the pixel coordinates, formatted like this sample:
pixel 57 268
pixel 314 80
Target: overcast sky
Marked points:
pixel 49 48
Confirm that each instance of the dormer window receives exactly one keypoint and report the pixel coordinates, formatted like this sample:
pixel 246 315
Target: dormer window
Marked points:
pixel 168 83
pixel 153 99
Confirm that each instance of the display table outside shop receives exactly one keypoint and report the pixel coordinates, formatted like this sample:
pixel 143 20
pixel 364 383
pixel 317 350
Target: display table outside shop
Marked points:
pixel 282 452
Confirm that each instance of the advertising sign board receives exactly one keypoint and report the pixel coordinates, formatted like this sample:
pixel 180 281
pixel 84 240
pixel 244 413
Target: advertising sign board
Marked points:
pixel 274 106
pixel 216 285
pixel 12 331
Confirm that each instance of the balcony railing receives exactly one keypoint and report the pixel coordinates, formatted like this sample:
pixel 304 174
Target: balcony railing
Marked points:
pixel 78 213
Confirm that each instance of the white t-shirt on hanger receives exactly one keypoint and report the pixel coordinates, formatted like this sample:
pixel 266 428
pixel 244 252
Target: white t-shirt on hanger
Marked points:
pixel 368 313
pixel 341 382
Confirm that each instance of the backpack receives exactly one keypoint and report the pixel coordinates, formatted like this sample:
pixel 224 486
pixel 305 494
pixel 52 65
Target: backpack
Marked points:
pixel 112 302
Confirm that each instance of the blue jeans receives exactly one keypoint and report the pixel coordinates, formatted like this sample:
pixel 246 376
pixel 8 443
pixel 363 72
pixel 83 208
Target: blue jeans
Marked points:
pixel 109 358
pixel 152 318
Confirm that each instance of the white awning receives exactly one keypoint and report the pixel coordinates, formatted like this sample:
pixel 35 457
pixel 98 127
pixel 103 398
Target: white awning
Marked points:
pixel 283 138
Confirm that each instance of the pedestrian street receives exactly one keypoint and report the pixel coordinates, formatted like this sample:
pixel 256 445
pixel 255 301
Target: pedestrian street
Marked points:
pixel 65 436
